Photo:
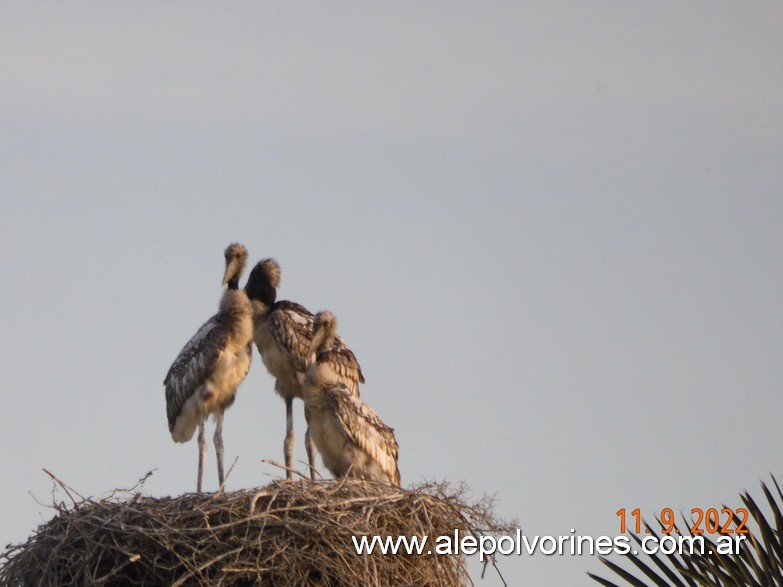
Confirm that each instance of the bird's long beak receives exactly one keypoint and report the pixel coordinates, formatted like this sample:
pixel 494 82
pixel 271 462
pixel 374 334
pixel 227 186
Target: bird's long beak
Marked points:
pixel 318 339
pixel 230 271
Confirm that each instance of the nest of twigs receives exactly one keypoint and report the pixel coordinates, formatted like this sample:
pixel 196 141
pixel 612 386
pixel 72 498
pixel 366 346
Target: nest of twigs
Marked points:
pixel 287 533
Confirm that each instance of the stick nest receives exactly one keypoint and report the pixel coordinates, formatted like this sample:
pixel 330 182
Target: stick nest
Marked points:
pixel 287 533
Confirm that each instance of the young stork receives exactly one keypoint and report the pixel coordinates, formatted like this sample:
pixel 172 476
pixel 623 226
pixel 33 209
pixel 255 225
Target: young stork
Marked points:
pixel 283 333
pixel 204 377
pixel 352 439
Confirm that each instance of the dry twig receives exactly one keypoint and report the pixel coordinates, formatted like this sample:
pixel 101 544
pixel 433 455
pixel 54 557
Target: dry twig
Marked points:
pixel 287 533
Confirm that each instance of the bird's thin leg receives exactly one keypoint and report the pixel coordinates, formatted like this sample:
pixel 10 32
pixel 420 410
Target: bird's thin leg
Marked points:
pixel 218 440
pixel 310 447
pixel 288 444
pixel 202 451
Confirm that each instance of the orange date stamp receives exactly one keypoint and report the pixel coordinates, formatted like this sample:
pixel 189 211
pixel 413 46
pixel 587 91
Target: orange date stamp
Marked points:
pixel 712 521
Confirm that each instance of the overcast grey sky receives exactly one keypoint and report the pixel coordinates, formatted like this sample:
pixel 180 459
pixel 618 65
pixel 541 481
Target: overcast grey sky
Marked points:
pixel 551 232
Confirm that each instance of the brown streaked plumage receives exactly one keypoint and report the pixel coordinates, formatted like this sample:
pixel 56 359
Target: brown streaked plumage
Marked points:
pixel 283 333
pixel 352 439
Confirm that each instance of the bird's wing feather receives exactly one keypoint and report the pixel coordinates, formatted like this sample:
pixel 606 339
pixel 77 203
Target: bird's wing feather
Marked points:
pixel 192 366
pixel 292 327
pixel 344 364
pixel 365 428
pixel 291 324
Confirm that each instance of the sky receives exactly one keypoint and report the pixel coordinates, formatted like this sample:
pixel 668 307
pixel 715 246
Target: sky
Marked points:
pixel 550 231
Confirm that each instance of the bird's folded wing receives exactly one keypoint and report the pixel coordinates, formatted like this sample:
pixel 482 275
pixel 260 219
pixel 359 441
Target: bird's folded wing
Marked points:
pixel 291 325
pixel 343 362
pixel 192 366
pixel 365 428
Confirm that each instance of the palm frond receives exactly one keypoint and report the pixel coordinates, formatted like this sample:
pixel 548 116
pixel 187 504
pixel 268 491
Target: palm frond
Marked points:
pixel 758 562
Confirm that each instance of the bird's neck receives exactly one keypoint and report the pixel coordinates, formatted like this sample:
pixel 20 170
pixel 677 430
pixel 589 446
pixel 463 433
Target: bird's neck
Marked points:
pixel 266 294
pixel 325 346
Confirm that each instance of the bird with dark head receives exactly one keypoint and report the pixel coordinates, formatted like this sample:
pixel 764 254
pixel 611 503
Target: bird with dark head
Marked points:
pixel 204 377
pixel 263 282
pixel 283 333
pixel 352 439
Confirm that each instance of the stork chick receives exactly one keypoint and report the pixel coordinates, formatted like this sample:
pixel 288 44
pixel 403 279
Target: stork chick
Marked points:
pixel 352 439
pixel 283 333
pixel 204 377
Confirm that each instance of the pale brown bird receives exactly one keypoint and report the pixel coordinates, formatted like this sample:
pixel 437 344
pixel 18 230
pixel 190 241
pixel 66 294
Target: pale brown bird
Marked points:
pixel 204 377
pixel 352 439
